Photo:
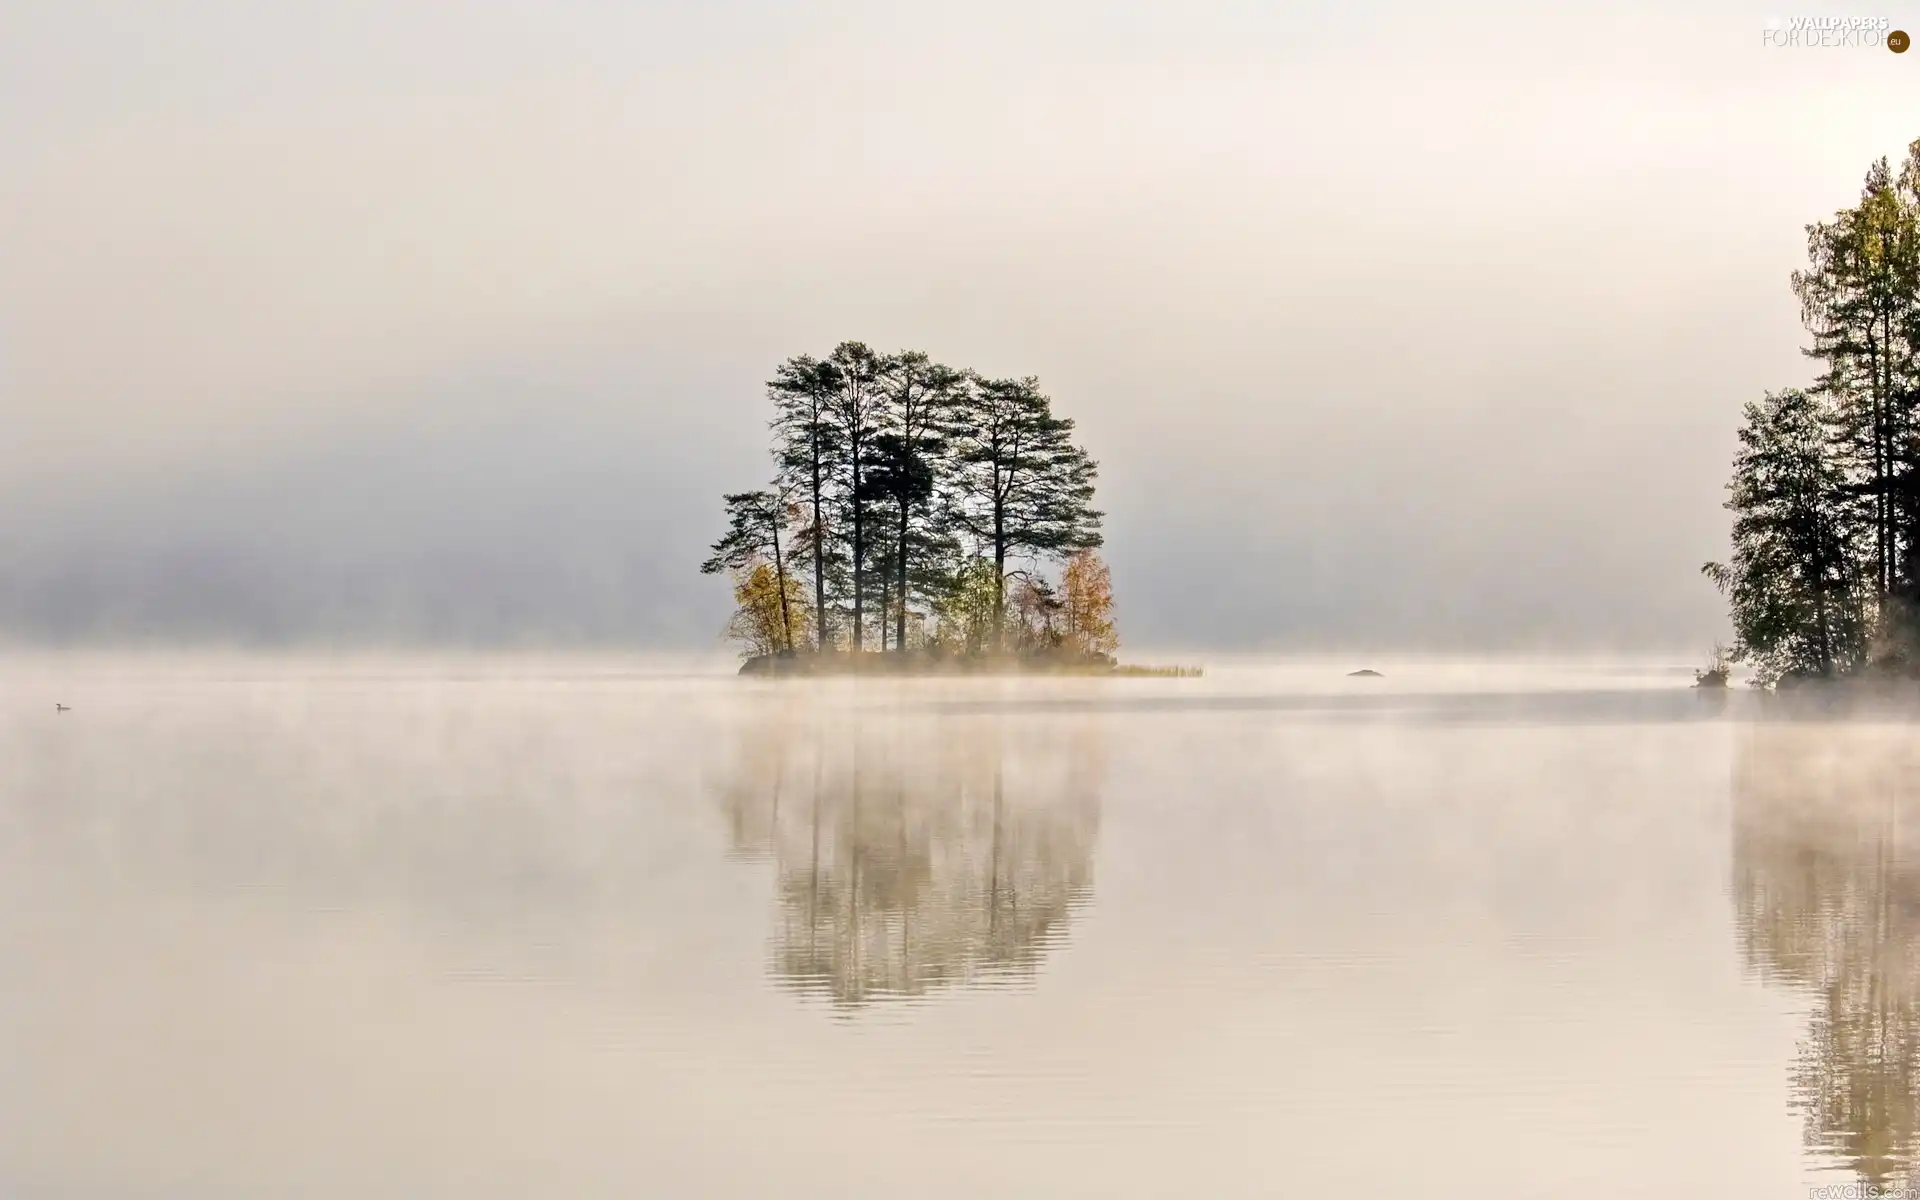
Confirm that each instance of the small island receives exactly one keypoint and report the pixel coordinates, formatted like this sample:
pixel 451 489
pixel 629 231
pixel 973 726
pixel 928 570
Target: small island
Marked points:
pixel 918 519
pixel 1824 580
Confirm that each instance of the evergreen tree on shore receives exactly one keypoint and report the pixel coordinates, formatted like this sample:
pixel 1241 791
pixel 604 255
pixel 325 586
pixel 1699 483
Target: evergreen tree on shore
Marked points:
pixel 1021 485
pixel 919 395
pixel 1825 574
pixel 1794 581
pixel 855 407
pixel 1860 300
pixel 806 447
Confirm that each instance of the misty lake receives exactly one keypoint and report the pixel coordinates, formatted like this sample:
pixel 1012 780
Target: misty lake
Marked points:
pixel 605 928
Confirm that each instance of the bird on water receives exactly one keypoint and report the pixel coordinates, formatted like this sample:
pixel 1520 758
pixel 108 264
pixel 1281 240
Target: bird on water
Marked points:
pixel 60 708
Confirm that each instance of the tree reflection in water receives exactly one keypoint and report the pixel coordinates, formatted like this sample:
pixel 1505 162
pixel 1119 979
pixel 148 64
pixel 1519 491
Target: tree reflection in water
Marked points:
pixel 914 853
pixel 1827 889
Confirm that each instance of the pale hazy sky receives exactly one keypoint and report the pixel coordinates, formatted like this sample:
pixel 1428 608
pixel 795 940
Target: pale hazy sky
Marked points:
pixel 1390 324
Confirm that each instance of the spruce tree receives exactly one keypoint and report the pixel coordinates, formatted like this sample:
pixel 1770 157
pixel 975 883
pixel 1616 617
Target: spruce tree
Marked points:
pixel 1796 584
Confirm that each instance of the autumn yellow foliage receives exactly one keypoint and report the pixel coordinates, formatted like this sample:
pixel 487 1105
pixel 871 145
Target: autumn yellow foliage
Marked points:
pixel 761 624
pixel 1087 605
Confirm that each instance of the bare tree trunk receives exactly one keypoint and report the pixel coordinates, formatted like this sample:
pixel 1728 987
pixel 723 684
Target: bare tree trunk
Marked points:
pixel 999 576
pixel 859 549
pixel 900 577
pixel 859 564
pixel 819 562
pixel 780 577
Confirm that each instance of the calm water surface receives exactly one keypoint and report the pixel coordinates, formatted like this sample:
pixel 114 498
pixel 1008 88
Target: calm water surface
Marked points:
pixel 272 928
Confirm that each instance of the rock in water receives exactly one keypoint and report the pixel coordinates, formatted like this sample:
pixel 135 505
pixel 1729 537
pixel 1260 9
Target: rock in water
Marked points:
pixel 1364 673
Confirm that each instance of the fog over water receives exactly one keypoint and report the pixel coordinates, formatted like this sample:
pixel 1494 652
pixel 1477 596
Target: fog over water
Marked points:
pixel 1390 325
pixel 380 815
pixel 499 926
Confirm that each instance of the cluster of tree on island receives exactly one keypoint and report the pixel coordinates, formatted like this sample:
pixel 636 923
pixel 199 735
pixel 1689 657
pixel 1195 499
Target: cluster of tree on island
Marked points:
pixel 913 508
pixel 1824 579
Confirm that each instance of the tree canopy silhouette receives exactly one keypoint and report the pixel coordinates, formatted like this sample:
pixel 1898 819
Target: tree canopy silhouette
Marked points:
pixel 917 492
pixel 1824 579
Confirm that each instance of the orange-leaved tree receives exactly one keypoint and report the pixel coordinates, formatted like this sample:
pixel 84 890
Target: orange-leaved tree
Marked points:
pixel 1087 604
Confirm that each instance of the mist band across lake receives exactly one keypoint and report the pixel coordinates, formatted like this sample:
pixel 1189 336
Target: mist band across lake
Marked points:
pixel 596 927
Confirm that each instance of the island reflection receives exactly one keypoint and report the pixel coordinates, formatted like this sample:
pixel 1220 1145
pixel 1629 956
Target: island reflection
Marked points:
pixel 1827 892
pixel 914 854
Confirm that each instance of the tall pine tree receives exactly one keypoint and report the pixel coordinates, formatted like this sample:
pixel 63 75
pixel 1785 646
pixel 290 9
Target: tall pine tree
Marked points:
pixel 806 452
pixel 917 395
pixel 1860 301
pixel 855 408
pixel 1021 485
